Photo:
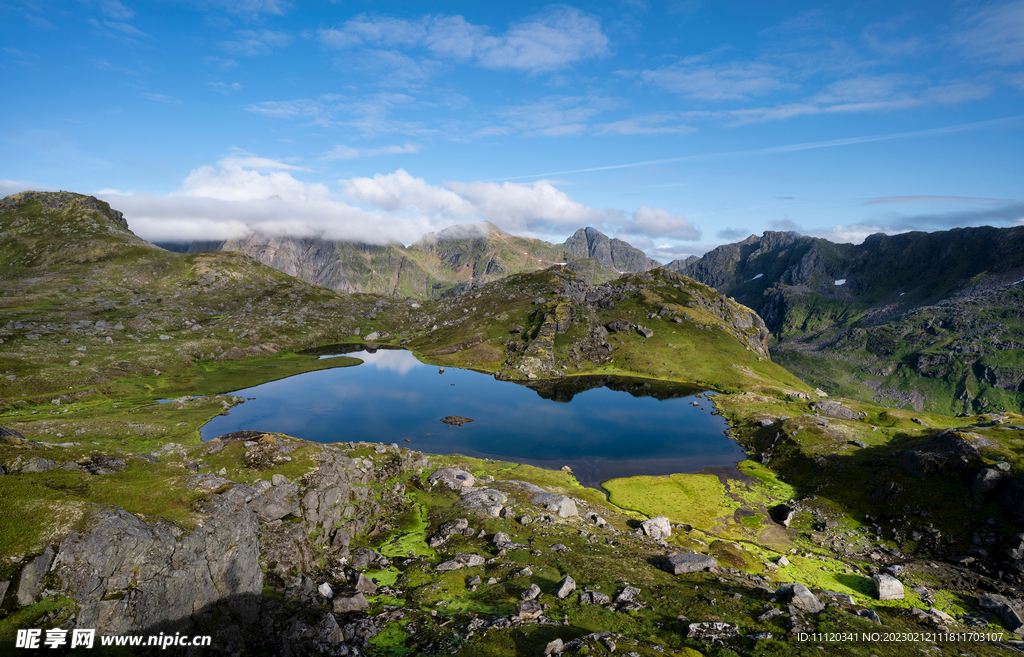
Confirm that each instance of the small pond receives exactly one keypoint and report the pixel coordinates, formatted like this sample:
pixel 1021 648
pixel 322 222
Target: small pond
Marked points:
pixel 601 427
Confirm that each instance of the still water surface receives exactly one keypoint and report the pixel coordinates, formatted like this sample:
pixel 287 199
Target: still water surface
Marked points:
pixel 600 432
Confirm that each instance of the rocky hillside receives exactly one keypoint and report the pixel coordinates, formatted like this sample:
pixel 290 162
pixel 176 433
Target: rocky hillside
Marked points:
pixel 923 320
pixel 458 257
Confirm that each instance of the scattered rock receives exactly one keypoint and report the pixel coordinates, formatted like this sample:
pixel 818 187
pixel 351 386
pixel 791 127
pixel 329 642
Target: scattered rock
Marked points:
pixel 565 587
pixel 658 527
pixel 835 409
pixel 782 514
pixel 712 632
pixel 488 501
pixel 684 562
pixel 800 597
pixel 365 585
pixel 446 531
pixel 37 464
pixel 460 561
pixel 946 452
pixel 562 505
pixel 529 609
pixel 349 601
pixel 365 557
pixel 531 593
pixel 453 478
pixel 589 597
pixel 325 590
pixel 456 420
pixel 887 587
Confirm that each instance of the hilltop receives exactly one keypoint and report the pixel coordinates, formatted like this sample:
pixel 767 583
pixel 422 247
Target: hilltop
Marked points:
pixel 917 320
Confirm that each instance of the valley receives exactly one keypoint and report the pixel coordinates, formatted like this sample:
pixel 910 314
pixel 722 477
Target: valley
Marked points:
pixel 858 508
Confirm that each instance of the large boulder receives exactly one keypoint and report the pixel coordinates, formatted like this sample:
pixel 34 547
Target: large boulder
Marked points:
pixel 658 527
pixel 800 597
pixel 453 478
pixel 684 562
pixel 488 501
pixel 565 587
pixel 365 557
pixel 712 632
pixel 947 452
pixel 782 514
pixel 561 505
pixel 986 481
pixel 887 587
pixel 837 410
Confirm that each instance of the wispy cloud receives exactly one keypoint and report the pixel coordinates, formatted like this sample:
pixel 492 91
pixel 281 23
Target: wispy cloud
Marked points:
pixel 995 33
pixel 249 43
pixel 693 78
pixel 224 87
pixel 789 148
pixel 896 200
pixel 343 152
pixel 160 98
pixel 554 39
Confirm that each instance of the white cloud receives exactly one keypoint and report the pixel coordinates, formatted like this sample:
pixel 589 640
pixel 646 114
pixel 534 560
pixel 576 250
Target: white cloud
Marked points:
pixel 400 191
pixel 549 41
pixel 852 234
pixel 250 42
pixel 538 206
pixel 343 152
pixel 655 222
pixel 231 181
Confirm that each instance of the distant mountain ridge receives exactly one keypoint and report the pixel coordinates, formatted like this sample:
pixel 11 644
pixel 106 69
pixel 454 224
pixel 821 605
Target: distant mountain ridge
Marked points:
pixel 456 258
pixel 929 320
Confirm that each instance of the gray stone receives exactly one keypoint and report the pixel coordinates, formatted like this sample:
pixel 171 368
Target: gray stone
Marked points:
pixel 328 630
pixel 645 332
pixel 529 609
pixel 37 464
pixel 1011 619
pixel 562 505
pixel 712 632
pixel 589 597
pixel 800 597
pixel 348 601
pixel 453 478
pixel 460 561
pixel 281 500
pixel 991 601
pixel 365 557
pixel 501 537
pixel 782 514
pixel 628 594
pixel 3 590
pixel 984 483
pixel 365 585
pixel 325 590
pixel 488 501
pixel 887 587
pixel 531 593
pixel 33 576
pixel 565 587
pixel 841 598
pixel 869 614
pixel 683 562
pixel 446 531
pixel 555 647
pixel 837 410
pixel 658 527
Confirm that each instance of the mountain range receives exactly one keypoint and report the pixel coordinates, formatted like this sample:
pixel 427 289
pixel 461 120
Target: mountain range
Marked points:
pixel 927 320
pixel 457 257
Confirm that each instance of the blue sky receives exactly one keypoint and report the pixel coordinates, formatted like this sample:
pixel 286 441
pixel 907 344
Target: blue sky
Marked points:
pixel 676 125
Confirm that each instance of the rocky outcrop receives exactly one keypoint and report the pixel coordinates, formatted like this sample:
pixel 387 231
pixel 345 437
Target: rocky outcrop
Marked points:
pixel 837 410
pixel 613 254
pixel 947 452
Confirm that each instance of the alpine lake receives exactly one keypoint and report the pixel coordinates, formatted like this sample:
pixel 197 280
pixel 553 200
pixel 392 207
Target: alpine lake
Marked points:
pixel 602 427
